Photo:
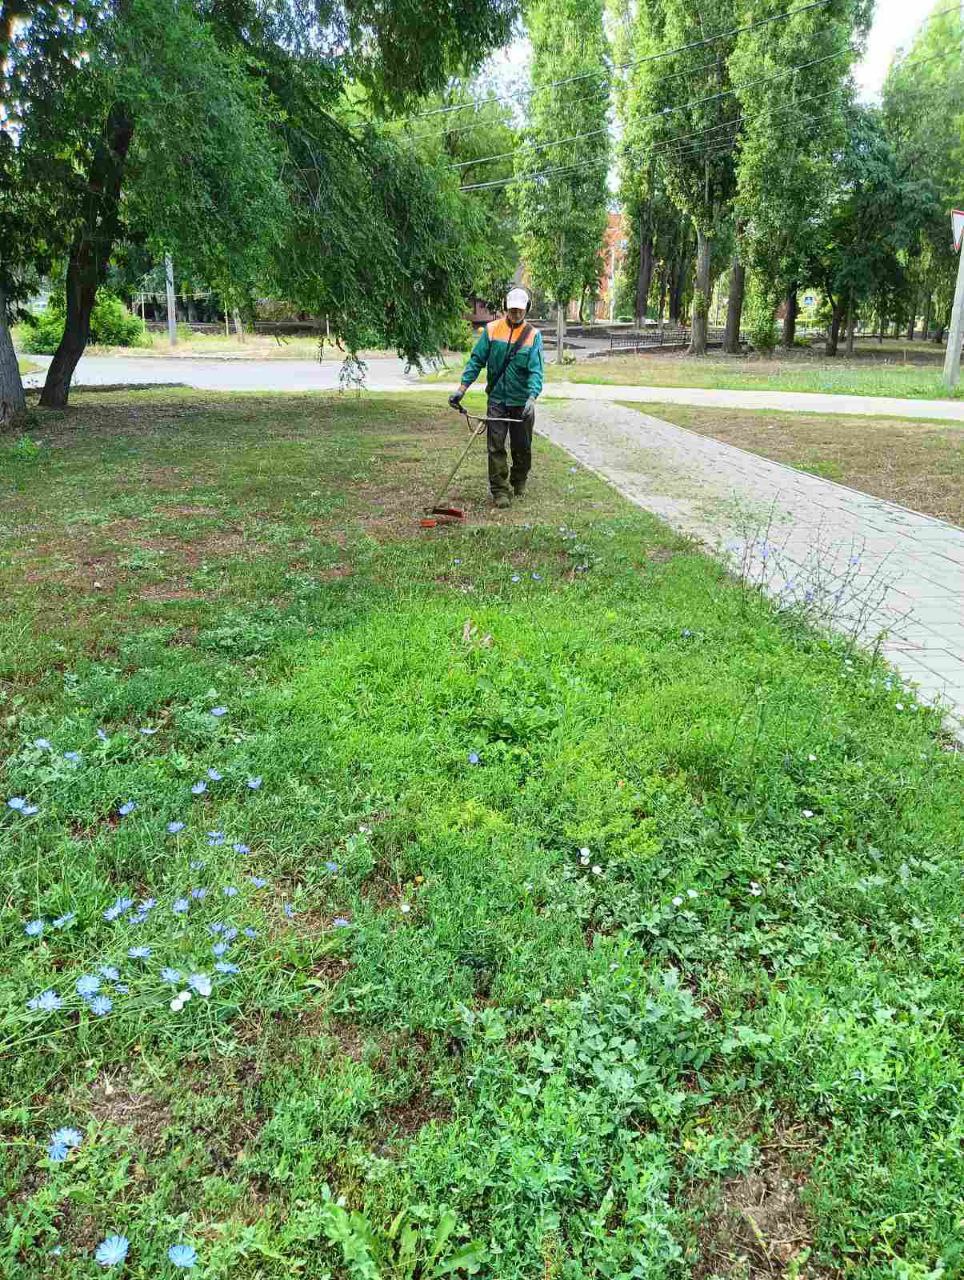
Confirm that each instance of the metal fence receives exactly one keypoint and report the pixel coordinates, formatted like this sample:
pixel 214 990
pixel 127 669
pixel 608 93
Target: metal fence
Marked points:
pixel 649 339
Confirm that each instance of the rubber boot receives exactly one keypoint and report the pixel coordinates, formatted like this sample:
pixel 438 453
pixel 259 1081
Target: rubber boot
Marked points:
pixel 502 500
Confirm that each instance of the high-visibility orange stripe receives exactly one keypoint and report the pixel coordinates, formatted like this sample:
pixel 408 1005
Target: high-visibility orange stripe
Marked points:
pixel 499 331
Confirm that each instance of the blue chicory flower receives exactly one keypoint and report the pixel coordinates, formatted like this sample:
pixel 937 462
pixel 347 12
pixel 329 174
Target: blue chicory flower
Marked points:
pixel 259 882
pixel 57 1152
pixel 219 949
pixel 117 908
pixel 109 972
pixel 170 975
pixel 199 788
pixel 473 757
pixel 216 927
pixel 174 827
pixel 215 839
pixel 515 577
pixel 229 891
pixel 241 848
pixel 537 577
pixel 87 985
pixel 17 803
pixel 127 807
pixel 67 918
pixel 43 744
pixel 229 935
pixel 46 1002
pixel 250 933
pixel 218 712
pixel 33 928
pixel 67 1137
pixel 182 1255
pixel 103 735
pixel 148 733
pixel 100 1006
pixel 289 910
pixel 200 983
pixel 122 988
pixel 73 756
pixel 180 905
pixel 199 894
pixel 112 1251
pixel 339 922
pixel 139 953
pixel 197 864
pixel 253 784
pixel 225 966
pixel 214 775
pixel 332 867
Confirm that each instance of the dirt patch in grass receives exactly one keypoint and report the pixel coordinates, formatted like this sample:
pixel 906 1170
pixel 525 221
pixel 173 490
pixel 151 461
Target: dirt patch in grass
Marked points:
pixel 915 464
pixel 760 1226
pixel 118 1101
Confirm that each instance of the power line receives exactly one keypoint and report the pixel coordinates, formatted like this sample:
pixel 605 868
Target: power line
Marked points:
pixel 939 57
pixel 604 89
pixel 664 144
pixel 667 143
pixel 623 66
pixel 667 111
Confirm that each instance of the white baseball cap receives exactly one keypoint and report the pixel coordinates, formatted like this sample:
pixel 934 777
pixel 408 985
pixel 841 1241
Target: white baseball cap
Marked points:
pixel 516 298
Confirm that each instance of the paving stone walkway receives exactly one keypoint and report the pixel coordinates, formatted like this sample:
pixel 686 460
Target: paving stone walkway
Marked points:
pixel 867 565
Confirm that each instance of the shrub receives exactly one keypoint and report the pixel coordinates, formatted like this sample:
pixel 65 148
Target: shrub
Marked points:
pixel 111 324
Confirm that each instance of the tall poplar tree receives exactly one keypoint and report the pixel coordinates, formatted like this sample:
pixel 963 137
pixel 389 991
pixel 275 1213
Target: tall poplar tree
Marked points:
pixel 562 213
pixel 681 112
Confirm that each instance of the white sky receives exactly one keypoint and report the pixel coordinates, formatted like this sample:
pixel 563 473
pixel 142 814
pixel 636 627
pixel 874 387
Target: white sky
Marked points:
pixel 894 25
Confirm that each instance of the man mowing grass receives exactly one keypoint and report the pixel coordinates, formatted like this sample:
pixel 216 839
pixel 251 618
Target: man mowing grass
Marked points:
pixel 510 351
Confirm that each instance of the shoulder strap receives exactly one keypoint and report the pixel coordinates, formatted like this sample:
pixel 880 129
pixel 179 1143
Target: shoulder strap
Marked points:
pixel 526 330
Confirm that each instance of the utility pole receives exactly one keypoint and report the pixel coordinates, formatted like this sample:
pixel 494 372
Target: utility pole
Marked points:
pixel 952 360
pixel 171 311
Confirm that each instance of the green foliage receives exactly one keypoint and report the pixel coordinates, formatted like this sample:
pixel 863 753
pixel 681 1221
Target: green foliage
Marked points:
pixel 562 216
pixel 111 325
pixel 793 128
pixel 923 104
pixel 464 139
pixel 758 309
pixel 540 1067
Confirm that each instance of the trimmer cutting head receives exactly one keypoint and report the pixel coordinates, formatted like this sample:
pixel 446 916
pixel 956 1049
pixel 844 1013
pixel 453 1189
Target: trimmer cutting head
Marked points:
pixel 442 515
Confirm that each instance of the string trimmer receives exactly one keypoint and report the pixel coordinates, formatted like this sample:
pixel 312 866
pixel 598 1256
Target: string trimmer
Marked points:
pixel 436 512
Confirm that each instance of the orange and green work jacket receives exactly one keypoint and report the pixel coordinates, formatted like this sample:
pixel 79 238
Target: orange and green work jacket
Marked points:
pixel 523 377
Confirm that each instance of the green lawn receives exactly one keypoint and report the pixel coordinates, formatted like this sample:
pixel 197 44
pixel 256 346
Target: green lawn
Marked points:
pixel 803 372
pixel 721 1041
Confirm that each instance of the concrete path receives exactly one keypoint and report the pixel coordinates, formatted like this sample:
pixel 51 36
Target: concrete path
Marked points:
pixel 858 563
pixel 387 373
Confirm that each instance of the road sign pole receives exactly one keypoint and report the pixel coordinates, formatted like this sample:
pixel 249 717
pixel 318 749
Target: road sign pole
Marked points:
pixel 952 361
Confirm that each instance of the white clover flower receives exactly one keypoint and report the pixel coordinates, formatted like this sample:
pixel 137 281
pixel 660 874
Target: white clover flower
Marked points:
pixel 677 901
pixel 755 889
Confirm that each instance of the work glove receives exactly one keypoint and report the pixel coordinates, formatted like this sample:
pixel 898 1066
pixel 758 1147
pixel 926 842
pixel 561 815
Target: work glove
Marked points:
pixel 455 399
pixel 529 411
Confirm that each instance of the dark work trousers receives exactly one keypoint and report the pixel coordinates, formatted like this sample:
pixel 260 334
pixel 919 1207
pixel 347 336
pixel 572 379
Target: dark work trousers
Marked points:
pixel 520 440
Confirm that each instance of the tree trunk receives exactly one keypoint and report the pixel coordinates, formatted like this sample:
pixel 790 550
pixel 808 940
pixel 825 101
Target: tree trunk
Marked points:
pixel 927 317
pixel 678 286
pixel 912 322
pixel 790 318
pixel 13 402
pixel 238 326
pixel 701 293
pixel 90 252
pixel 560 331
pixel 734 308
pixel 644 277
pixel 834 337
pixel 851 325
pixel 662 292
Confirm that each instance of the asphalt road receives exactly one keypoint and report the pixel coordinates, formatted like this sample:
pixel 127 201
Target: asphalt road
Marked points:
pixel 387 373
